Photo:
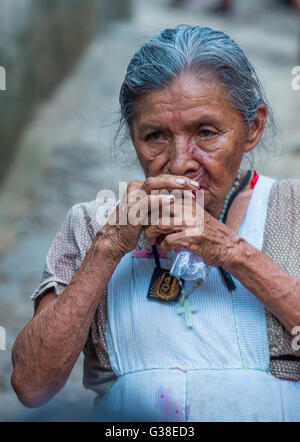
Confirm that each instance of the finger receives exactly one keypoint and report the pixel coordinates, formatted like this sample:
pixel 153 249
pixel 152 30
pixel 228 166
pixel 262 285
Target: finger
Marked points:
pixel 155 234
pixel 172 212
pixel 167 182
pixel 187 211
pixel 148 209
pixel 174 241
pixel 160 206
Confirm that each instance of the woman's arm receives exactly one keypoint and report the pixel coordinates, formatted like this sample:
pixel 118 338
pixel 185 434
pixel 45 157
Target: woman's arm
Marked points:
pixel 279 291
pixel 46 350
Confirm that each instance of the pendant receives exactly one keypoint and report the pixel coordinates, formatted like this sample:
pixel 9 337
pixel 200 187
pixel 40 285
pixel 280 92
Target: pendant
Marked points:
pixel 186 308
pixel 164 287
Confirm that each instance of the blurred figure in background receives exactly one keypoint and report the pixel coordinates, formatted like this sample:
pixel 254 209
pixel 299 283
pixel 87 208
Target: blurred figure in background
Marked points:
pixel 296 4
pixel 224 6
pixel 176 2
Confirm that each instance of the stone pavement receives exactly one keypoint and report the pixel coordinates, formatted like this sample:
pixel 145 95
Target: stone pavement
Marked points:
pixel 65 156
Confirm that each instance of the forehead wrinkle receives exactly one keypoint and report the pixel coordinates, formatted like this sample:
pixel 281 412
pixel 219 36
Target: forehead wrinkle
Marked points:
pixel 185 102
pixel 161 116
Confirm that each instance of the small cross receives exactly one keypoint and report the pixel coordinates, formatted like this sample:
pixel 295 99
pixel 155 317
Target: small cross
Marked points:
pixel 187 309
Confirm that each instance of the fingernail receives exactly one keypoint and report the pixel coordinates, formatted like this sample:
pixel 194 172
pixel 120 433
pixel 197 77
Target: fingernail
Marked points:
pixel 194 183
pixel 180 180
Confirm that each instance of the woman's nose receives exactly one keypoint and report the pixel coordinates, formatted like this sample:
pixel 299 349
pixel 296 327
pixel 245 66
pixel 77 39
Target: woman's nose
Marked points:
pixel 181 158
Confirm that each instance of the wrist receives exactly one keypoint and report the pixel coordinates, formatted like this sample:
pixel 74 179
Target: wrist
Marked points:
pixel 106 242
pixel 239 252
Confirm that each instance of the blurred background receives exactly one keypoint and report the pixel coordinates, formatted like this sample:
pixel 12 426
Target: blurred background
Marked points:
pixel 62 63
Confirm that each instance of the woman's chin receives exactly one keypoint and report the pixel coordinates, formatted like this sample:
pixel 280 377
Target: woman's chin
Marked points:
pixel 207 198
pixel 210 204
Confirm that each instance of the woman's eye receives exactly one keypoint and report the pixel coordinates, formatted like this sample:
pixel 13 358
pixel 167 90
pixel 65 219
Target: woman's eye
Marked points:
pixel 154 136
pixel 206 133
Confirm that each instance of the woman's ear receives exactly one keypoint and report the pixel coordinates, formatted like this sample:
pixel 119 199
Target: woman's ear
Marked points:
pixel 256 128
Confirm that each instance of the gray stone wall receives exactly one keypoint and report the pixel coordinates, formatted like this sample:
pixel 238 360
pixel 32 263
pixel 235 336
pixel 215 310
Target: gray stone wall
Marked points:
pixel 39 43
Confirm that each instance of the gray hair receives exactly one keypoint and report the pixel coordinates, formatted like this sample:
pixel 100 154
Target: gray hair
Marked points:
pixel 192 49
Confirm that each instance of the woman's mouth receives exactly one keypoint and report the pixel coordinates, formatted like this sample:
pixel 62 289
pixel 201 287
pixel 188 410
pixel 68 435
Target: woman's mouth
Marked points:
pixel 201 176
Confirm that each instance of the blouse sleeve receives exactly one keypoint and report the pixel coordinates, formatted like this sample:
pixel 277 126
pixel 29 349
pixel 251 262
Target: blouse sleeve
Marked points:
pixel 66 253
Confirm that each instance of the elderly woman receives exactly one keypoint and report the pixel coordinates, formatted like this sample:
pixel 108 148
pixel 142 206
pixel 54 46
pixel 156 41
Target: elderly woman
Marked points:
pixel 227 349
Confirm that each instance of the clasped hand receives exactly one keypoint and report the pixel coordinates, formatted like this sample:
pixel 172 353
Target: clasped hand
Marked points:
pixel 171 211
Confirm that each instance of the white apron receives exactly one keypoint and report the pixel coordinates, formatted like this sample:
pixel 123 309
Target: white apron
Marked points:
pixel 215 371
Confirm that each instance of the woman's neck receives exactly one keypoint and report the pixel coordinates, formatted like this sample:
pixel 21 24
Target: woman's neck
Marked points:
pixel 237 206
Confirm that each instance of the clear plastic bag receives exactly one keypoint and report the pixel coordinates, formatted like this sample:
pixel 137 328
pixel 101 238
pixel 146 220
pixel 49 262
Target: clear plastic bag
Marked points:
pixel 189 266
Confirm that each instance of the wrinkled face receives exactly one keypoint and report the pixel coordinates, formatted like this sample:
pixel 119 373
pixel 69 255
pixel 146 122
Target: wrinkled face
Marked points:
pixel 190 128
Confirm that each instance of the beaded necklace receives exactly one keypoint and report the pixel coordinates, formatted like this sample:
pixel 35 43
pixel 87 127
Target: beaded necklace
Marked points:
pixel 185 307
